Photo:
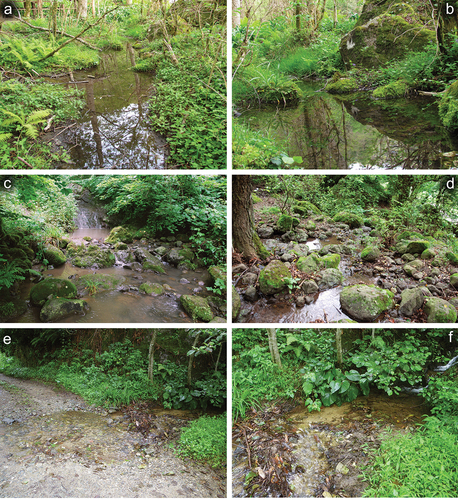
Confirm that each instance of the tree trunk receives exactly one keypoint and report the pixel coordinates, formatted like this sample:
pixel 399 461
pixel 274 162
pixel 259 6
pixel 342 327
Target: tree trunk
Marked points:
pixel 242 216
pixel 28 8
pixel 40 9
pixel 54 18
pixel 151 354
pixel 82 9
pixel 191 359
pixel 236 5
pixel 273 346
pixel 335 14
pixel 339 347
pixel 298 17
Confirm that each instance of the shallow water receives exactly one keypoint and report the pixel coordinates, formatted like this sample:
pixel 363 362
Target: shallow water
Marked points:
pixel 357 132
pixel 115 130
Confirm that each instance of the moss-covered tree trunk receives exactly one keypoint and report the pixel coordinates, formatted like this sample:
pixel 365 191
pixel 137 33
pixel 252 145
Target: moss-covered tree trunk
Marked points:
pixel 245 239
pixel 273 346
pixel 151 354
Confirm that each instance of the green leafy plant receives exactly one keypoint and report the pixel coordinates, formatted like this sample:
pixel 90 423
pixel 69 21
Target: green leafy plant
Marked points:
pixel 26 124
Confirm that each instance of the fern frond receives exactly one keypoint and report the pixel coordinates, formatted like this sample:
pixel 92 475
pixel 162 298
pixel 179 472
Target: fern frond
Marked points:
pixel 5 137
pixel 31 131
pixel 38 116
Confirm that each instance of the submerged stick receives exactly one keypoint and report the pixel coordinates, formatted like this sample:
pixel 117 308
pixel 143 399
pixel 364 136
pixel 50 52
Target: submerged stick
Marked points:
pixel 77 36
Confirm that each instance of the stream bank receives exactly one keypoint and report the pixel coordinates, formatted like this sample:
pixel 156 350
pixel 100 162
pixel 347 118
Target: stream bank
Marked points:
pixel 54 445
pixel 316 454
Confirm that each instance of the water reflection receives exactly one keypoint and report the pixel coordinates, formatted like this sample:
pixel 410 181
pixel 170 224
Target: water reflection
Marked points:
pixel 357 132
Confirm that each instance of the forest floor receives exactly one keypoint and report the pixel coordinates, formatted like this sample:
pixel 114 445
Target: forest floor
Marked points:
pixel 54 445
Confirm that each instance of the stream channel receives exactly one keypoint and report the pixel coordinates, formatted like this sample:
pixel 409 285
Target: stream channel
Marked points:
pixel 328 447
pixel 115 131
pixel 358 132
pixel 53 445
pixel 123 303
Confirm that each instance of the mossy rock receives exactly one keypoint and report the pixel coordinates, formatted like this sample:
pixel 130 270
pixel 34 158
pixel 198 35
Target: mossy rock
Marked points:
pixel 439 311
pixel 148 261
pixel 370 254
pixel 452 257
pixel 393 90
pixel 352 220
pixel 428 254
pixel 418 246
pixel 408 235
pixel 273 278
pixel 152 288
pixel 309 264
pixel 18 256
pixel 217 272
pixel 386 30
pixel 95 283
pixel 120 246
pixel 157 268
pixel 236 303
pixel 448 107
pixel 59 308
pixel 52 286
pixel 342 86
pixel 306 208
pixel 217 319
pixel 454 280
pixel 365 303
pixel 310 225
pixel 63 242
pixel 82 256
pixel 197 307
pixel 412 267
pixel 119 234
pixel 54 255
pixel 255 198
pixel 330 261
pixel 286 222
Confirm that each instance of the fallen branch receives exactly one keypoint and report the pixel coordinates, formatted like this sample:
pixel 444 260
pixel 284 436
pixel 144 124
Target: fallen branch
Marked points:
pixel 24 162
pixel 62 131
pixel 77 36
pixel 48 124
pixel 60 33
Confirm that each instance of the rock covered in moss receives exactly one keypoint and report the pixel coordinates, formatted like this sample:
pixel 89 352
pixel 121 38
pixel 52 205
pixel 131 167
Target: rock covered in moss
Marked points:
pixel 417 246
pixel 59 308
pixel 310 225
pixel 386 30
pixel 52 286
pixel 309 287
pixel 330 278
pixel 94 283
pixel 120 246
pixel 331 260
pixel 54 255
pixel 412 267
pixel 342 86
pixel 454 280
pixel 370 254
pixel 87 256
pixel 365 303
pixel 439 311
pixel 148 261
pixel 452 257
pixel 393 90
pixel 428 254
pixel 11 307
pixel 119 234
pixel 197 307
pixel 152 288
pixel 286 222
pixel 448 107
pixel 306 208
pixel 308 264
pixel 346 217
pixel 411 301
pixel 274 277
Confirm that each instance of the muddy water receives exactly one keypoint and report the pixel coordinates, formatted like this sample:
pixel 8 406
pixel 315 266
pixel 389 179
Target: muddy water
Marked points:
pixel 333 428
pixel 358 132
pixel 125 307
pixel 114 131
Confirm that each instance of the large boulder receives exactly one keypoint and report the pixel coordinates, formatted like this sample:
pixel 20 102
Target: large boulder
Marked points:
pixel 387 30
pixel 197 307
pixel 119 234
pixel 52 286
pixel 439 311
pixel 352 220
pixel 54 255
pixel 274 277
pixel 365 303
pixel 417 246
pixel 176 255
pixel 286 222
pixel 331 260
pixel 148 261
pixel 370 254
pixel 411 301
pixel 59 308
pixel 330 278
pixel 88 256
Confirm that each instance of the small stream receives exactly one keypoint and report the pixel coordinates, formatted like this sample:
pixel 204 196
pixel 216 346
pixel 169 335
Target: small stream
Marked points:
pixel 358 132
pixel 115 131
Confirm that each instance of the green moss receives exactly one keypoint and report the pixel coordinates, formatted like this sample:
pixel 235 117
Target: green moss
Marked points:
pixel 236 303
pixel 273 278
pixel 94 283
pixel 261 250
pixel 59 308
pixel 52 286
pixel 150 288
pixel 342 86
pixel 286 222
pixel 308 264
pixel 393 90
pixel 370 254
pixel 428 254
pixel 54 255
pixel 352 220
pixel 255 198
pixel 452 257
pixel 119 234
pixel 439 311
pixel 83 256
pixel 330 261
pixel 306 208
pixel 157 268
pixel 196 307
pixel 417 246
pixel 448 107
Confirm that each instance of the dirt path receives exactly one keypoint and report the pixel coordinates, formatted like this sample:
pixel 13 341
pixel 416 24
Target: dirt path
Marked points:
pixel 53 445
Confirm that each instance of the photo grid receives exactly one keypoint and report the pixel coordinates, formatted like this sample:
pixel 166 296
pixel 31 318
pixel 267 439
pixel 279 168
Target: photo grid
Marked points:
pixel 174 170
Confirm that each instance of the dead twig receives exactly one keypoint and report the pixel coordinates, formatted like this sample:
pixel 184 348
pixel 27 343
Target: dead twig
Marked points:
pixel 24 162
pixel 62 131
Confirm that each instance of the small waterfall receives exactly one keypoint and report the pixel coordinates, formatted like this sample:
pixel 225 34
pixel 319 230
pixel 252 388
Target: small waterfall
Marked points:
pixel 444 368
pixel 88 217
